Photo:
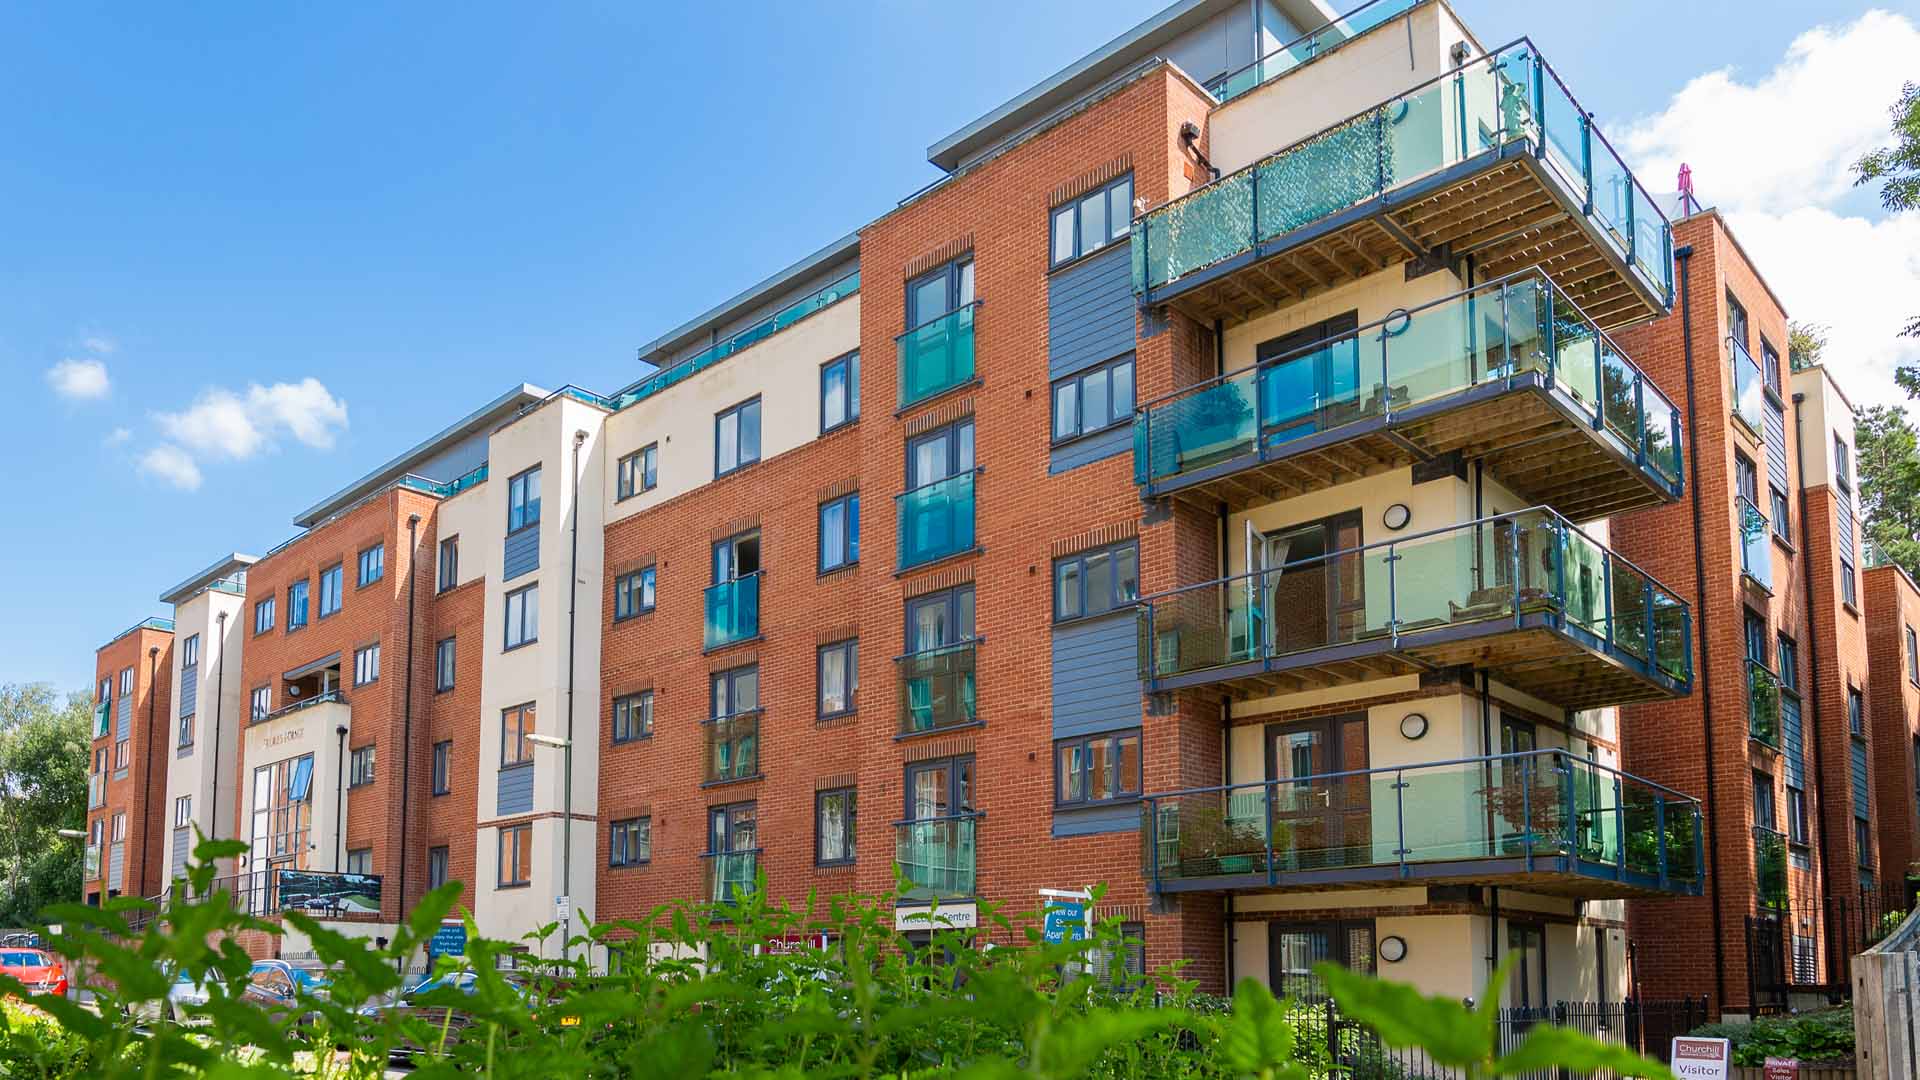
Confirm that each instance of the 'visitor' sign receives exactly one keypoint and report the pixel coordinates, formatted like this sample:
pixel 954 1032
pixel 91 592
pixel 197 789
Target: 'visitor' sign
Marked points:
pixel 1700 1059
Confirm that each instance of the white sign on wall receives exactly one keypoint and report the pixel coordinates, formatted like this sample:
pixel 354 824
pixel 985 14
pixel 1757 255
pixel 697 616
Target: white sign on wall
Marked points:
pixel 1700 1059
pixel 946 917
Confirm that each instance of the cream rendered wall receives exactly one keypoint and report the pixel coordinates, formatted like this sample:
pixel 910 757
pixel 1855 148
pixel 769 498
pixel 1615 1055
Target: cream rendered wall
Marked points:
pixel 219 703
pixel 1362 73
pixel 538 672
pixel 1373 297
pixel 312 730
pixel 510 913
pixel 1828 414
pixel 469 517
pixel 784 370
pixel 1446 954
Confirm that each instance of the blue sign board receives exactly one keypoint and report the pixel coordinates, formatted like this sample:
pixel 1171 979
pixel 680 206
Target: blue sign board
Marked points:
pixel 1065 920
pixel 449 940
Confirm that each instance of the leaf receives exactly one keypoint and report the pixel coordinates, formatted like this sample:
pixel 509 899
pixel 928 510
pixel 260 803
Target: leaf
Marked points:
pixel 1549 1047
pixel 1258 1035
pixel 1403 1016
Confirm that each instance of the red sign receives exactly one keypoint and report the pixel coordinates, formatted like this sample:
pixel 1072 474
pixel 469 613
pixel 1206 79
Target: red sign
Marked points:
pixel 1782 1069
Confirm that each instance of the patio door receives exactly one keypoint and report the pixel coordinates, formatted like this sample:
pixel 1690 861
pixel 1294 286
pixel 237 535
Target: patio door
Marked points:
pixel 1320 819
pixel 1294 948
pixel 1314 583
pixel 1313 383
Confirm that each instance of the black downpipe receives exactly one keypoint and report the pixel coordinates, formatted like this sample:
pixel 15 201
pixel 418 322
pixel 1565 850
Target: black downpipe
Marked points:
pixel 406 708
pixel 153 718
pixel 219 691
pixel 573 599
pixel 1836 973
pixel 340 798
pixel 1683 255
pixel 1493 939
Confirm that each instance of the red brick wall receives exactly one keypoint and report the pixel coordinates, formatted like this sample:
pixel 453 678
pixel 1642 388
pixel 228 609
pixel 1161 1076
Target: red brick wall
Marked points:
pixel 142 795
pixel 452 715
pixel 1893 604
pixel 1842 666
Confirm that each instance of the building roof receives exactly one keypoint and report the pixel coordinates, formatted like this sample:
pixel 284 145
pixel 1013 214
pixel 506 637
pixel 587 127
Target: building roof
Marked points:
pixel 752 296
pixel 1109 60
pixel 484 419
pixel 224 567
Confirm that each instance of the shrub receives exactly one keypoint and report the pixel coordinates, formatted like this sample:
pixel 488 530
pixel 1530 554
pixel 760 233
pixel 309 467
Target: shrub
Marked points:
pixel 1824 1037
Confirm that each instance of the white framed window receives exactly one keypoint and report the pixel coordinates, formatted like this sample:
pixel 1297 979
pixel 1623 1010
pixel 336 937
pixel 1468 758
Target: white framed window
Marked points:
pixel 366 664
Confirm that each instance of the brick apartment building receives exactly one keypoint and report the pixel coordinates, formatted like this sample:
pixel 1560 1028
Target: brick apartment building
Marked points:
pixel 1243 417
pixel 1893 616
pixel 126 773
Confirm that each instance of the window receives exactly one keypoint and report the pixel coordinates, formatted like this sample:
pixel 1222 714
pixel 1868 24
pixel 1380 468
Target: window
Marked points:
pixel 1797 816
pixel 736 691
pixel 119 827
pixel 1756 626
pixel 633 594
pixel 939 789
pixel 1848 594
pixel 839 392
pixel 839 676
pixel 373 565
pixel 106 689
pixel 1763 815
pixel 262 703
pixel 126 681
pixel 523 616
pixel 190 651
pixel 1913 658
pixel 443 664
pixel 840 532
pixel 449 563
pixel 633 716
pixel 1096 768
pixel 330 589
pixel 1842 467
pixel 360 861
pixel 736 557
pixel 1863 842
pixel 183 811
pixel 736 437
pixel 443 767
pixel 360 766
pixel 939 292
pixel 122 753
pixel 1125 969
pixel 732 828
pixel 940 619
pixel 1770 365
pixel 1096 581
pixel 833 815
pixel 296 605
pixel 523 500
pixel 1856 713
pixel 639 471
pixel 1780 524
pixel 1093 400
pixel 186 731
pixel 516 856
pixel 515 725
pixel 436 867
pixel 1736 321
pixel 945 452
pixel 366 664
pixel 1092 221
pixel 630 842
pixel 1789 664
pixel 1746 480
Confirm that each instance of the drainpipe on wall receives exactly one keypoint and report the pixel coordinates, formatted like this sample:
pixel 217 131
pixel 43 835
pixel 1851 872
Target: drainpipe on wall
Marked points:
pixel 340 798
pixel 573 598
pixel 219 691
pixel 153 718
pixel 406 709
pixel 1684 255
pixel 1835 963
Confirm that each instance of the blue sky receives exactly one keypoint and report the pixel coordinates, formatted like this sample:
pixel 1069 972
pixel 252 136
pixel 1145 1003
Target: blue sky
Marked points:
pixel 336 228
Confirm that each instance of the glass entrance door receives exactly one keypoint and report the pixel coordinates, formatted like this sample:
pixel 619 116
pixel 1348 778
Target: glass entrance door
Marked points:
pixel 1321 816
pixel 1313 382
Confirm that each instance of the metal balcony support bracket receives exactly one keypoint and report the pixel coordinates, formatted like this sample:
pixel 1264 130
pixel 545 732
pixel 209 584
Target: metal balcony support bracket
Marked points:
pixel 1620 831
pixel 1400 850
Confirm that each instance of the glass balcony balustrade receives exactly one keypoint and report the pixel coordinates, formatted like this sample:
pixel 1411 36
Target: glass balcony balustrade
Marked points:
pixel 730 874
pixel 936 520
pixel 733 611
pixel 937 356
pixel 937 856
pixel 1756 550
pixel 937 688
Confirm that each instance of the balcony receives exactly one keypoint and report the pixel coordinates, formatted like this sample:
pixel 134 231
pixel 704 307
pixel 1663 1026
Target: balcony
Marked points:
pixel 1511 372
pixel 1525 596
pixel 1308 47
pixel 936 520
pixel 90 868
pixel 1763 704
pixel 1493 160
pixel 733 611
pixel 1749 390
pixel 731 874
pixel 1546 821
pixel 733 747
pixel 1756 552
pixel 102 719
pixel 1770 868
pixel 937 688
pixel 936 356
pixel 96 790
pixel 937 856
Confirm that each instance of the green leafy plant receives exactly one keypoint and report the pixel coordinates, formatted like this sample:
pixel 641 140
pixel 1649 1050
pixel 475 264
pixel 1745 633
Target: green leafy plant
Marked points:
pixel 1824 1037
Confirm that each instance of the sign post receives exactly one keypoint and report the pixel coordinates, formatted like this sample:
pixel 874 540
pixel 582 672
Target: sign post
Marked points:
pixel 1700 1059
pixel 1067 915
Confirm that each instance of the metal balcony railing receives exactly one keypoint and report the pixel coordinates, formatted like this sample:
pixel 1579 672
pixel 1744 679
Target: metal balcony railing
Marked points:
pixel 733 747
pixel 1770 868
pixel 936 356
pixel 733 611
pixel 937 688
pixel 936 520
pixel 1544 811
pixel 731 874
pixel 1308 47
pixel 1749 389
pixel 1756 552
pixel 1763 704
pixel 938 856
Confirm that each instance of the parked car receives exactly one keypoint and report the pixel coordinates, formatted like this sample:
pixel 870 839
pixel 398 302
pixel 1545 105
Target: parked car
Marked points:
pixel 39 970
pixel 306 980
pixel 22 939
pixel 414 1005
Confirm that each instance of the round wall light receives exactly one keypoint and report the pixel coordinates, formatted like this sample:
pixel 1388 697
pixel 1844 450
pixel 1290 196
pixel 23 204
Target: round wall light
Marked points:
pixel 1413 725
pixel 1393 948
pixel 1395 517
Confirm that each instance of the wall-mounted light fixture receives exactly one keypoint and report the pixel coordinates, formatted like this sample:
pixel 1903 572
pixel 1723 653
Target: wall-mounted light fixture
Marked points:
pixel 1395 517
pixel 1393 948
pixel 1413 725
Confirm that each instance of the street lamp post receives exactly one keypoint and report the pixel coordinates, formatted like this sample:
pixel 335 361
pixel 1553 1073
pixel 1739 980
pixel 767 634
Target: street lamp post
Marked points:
pixel 566 831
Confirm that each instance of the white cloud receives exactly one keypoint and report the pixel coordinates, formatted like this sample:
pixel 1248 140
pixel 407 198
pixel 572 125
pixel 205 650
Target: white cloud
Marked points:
pixel 99 344
pixel 118 436
pixel 223 423
pixel 79 380
pixel 173 465
pixel 1773 155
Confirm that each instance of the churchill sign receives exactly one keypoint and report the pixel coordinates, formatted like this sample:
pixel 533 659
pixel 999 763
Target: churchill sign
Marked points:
pixel 1700 1059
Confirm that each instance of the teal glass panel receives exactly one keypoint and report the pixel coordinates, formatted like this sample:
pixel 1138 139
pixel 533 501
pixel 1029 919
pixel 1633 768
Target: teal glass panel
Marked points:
pixel 936 520
pixel 937 356
pixel 733 611
pixel 1756 552
pixel 938 858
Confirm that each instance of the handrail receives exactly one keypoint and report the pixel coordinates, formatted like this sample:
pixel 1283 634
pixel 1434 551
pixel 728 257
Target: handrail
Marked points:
pixel 1554 752
pixel 975 471
pixel 409 481
pixel 334 695
pixel 151 622
pixel 1223 81
pixel 942 650
pixel 1443 530
pixel 911 330
pixel 755 711
pixel 942 819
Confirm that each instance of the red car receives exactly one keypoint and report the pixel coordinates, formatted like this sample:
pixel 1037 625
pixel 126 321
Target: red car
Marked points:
pixel 36 968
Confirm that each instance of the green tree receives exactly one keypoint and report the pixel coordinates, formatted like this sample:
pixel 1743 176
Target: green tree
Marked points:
pixel 1805 343
pixel 1887 454
pixel 1896 169
pixel 43 788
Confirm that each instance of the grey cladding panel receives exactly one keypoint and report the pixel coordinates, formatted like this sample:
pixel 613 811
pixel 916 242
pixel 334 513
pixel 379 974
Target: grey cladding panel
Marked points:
pixel 123 718
pixel 1861 799
pixel 1775 421
pixel 516 790
pixel 1096 676
pixel 1118 817
pixel 182 847
pixel 1793 742
pixel 522 554
pixel 116 863
pixel 189 689
pixel 1090 310
pixel 1109 443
